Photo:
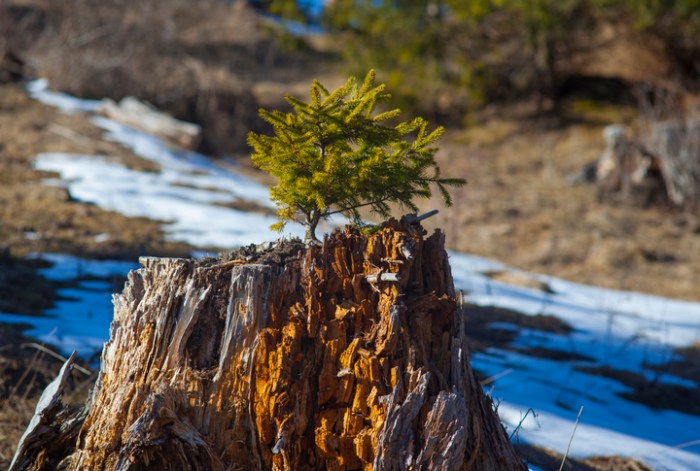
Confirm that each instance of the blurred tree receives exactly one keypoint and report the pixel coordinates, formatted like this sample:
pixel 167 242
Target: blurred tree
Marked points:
pixel 447 55
pixel 442 57
pixel 415 43
pixel 677 23
pixel 333 155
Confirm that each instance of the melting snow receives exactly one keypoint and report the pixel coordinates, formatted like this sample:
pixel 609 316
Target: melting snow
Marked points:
pixel 81 317
pixel 622 330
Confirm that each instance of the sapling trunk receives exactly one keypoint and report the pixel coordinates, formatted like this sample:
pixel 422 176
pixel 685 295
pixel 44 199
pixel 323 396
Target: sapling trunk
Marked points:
pixel 311 224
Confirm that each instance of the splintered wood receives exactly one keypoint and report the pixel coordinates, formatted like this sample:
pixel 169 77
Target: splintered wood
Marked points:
pixel 350 356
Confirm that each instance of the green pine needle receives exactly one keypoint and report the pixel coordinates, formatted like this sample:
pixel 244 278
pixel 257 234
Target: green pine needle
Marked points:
pixel 332 156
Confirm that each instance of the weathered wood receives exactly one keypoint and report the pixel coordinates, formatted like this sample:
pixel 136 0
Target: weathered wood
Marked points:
pixel 293 363
pixel 660 167
pixel 50 427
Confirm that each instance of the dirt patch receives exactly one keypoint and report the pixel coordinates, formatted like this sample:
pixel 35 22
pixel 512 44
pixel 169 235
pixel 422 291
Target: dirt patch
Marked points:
pixel 654 393
pixel 550 354
pixel 39 218
pixel 688 366
pixel 22 289
pixel 519 207
pixel 248 206
pixel 483 332
pixel 550 460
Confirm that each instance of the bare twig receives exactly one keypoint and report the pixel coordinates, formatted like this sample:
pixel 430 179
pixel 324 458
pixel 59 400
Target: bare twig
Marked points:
pixel 427 215
pixel 493 378
pixel 414 218
pixel 571 439
pixel 520 424
pixel 680 446
pixel 58 356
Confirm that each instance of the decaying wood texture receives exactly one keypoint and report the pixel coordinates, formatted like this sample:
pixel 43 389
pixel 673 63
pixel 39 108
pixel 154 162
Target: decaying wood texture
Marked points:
pixel 345 356
pixel 52 427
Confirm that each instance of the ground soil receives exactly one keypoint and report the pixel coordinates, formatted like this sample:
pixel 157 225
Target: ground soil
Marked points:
pixel 35 217
pixel 520 208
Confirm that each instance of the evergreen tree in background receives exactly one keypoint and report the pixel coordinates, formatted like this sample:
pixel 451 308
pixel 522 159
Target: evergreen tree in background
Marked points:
pixel 335 155
pixel 442 58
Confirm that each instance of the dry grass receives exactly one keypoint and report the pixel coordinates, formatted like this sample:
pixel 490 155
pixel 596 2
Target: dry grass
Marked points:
pixel 39 218
pixel 550 460
pixel 519 208
pixel 24 373
pixel 14 416
pixel 198 61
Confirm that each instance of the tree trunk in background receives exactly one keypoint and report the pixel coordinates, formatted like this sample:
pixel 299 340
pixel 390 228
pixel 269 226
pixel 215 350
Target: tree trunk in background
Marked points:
pixel 349 355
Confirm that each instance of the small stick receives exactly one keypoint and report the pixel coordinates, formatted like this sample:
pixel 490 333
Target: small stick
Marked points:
pixel 571 439
pixel 493 378
pixel 58 356
pixel 427 215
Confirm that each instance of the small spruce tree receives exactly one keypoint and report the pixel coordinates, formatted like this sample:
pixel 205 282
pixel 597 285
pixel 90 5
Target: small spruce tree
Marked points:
pixel 335 155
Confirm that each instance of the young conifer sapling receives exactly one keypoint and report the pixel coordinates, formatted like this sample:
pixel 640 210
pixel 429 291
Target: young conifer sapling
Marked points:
pixel 336 155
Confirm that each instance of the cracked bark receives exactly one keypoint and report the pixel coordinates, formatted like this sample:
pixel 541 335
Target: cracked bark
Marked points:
pixel 291 365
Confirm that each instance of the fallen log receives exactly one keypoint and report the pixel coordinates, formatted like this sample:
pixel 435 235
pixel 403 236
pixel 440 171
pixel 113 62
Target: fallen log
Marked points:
pixel 288 359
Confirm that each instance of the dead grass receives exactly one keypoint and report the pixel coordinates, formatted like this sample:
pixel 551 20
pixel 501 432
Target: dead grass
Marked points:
pixel 24 373
pixel 14 417
pixel 198 61
pixel 550 460
pixel 519 208
pixel 39 218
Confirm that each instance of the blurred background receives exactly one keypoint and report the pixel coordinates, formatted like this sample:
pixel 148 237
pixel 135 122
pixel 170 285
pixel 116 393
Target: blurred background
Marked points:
pixel 575 122
pixel 525 88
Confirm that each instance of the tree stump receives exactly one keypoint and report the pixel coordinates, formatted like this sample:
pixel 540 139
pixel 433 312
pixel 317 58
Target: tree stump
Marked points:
pixel 345 356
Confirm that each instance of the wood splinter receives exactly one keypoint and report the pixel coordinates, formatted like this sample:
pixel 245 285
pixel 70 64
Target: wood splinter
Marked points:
pixel 415 219
pixel 374 278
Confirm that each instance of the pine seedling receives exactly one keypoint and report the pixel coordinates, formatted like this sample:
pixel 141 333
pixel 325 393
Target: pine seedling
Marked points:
pixel 334 154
